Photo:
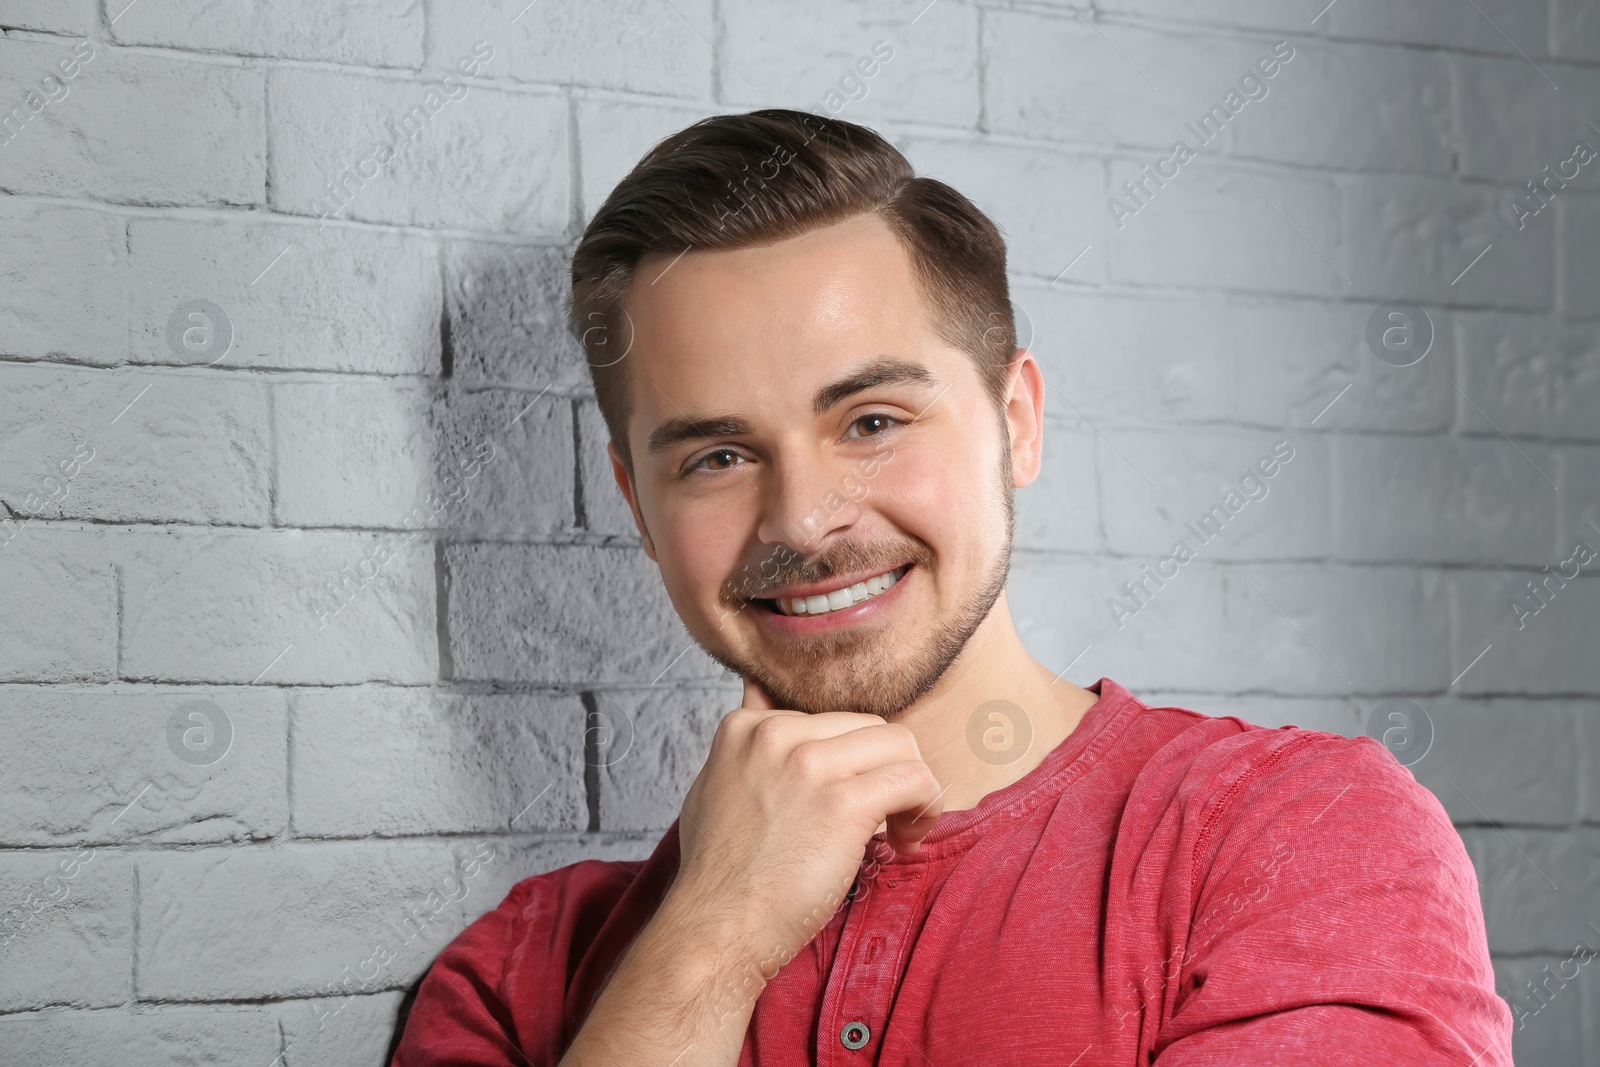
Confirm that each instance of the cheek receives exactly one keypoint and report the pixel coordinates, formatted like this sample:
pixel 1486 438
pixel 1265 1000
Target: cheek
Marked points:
pixel 700 543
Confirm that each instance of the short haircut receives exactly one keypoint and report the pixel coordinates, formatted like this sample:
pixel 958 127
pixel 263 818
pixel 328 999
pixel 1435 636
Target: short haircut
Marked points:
pixel 742 181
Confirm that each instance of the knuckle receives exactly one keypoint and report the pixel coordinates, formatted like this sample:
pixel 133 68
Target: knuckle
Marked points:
pixel 806 760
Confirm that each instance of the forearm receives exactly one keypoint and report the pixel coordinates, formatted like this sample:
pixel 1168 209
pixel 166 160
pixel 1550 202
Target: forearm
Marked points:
pixel 680 996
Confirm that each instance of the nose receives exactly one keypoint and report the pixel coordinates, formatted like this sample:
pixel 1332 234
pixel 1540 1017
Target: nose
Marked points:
pixel 805 502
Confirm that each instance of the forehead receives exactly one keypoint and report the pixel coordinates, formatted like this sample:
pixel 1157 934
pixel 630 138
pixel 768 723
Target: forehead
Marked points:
pixel 739 329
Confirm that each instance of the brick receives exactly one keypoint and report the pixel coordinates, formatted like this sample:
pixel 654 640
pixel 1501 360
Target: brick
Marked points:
pixel 1587 717
pixel 1341 717
pixel 1060 511
pixel 477 158
pixel 1579 504
pixel 334 1031
pixel 1173 357
pixel 67 931
pixel 1255 14
pixel 135 128
pixel 288 922
pixel 222 1033
pixel 249 606
pixel 417 761
pixel 651 745
pixel 1172 641
pixel 649 48
pixel 525 484
pixel 380 33
pixel 1502 761
pixel 605 509
pixel 1574 30
pixel 796 55
pixel 1529 375
pixel 1331 355
pixel 418 459
pixel 67 283
pixel 1537 886
pixel 1332 106
pixel 364 301
pixel 181 446
pixel 97 767
pixel 1550 651
pixel 519 858
pixel 1345 630
pixel 1577 225
pixel 1193 472
pixel 61 596
pixel 1441 22
pixel 558 614
pixel 1188 232
pixel 508 325
pixel 1043 234
pixel 49 16
pixel 1443 500
pixel 1548 1027
pixel 1414 238
pixel 615 135
pixel 1513 122
pixel 1058 78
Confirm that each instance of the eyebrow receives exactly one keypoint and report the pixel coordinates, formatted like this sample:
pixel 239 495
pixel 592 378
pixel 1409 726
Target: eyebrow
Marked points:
pixel 878 372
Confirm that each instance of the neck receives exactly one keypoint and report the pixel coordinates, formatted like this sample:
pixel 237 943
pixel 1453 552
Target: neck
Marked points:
pixel 1038 712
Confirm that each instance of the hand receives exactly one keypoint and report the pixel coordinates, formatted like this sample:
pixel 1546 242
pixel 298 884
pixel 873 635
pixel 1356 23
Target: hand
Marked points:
pixel 775 827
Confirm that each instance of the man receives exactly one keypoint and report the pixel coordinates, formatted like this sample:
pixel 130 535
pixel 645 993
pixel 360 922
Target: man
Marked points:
pixel 914 844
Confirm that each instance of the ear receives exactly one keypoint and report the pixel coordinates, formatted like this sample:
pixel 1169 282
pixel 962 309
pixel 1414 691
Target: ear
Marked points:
pixel 619 471
pixel 1025 417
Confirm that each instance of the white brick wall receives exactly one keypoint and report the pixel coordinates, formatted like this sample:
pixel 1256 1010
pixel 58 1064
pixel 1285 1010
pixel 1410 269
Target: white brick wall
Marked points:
pixel 414 664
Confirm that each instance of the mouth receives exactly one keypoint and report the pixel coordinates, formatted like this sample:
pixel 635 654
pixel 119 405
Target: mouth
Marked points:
pixel 840 596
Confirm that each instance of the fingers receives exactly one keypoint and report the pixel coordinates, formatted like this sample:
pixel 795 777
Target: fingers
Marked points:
pixel 912 797
pixel 854 752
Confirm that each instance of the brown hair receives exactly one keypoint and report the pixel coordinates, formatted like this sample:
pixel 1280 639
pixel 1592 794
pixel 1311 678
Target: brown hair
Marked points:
pixel 738 181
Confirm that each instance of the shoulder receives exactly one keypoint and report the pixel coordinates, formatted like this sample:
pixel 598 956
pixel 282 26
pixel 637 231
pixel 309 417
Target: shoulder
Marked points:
pixel 1217 785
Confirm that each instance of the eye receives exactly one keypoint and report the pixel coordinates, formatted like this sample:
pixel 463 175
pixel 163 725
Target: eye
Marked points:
pixel 877 422
pixel 719 459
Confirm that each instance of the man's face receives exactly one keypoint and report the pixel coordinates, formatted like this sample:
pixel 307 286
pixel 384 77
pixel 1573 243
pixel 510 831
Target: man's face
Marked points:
pixel 798 429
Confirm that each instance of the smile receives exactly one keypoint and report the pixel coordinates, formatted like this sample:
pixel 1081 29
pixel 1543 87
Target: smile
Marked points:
pixel 837 599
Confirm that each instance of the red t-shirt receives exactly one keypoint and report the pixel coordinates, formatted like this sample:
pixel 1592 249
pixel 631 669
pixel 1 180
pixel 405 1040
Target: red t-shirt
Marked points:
pixel 1164 888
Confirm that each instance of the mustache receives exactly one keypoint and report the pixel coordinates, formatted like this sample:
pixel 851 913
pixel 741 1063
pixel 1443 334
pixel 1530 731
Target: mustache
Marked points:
pixel 783 567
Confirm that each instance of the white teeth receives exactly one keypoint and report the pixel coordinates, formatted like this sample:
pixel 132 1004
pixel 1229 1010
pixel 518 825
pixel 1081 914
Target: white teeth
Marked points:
pixel 822 603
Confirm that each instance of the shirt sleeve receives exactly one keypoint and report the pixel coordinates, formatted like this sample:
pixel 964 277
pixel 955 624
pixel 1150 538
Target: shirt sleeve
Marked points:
pixel 1336 919
pixel 459 1017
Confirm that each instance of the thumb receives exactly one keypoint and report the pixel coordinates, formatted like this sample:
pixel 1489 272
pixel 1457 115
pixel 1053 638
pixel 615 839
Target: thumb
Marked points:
pixel 757 697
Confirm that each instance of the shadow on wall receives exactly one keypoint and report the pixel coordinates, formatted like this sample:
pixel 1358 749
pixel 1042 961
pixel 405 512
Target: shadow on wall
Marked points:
pixel 534 551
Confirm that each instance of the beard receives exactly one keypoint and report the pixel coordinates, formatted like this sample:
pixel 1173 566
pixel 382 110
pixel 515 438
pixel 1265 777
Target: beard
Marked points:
pixel 864 669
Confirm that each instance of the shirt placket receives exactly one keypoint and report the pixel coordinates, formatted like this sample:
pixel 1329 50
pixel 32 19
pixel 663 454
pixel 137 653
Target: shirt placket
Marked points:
pixel 867 967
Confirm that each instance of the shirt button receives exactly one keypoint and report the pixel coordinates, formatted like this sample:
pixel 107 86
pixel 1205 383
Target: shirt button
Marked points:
pixel 854 1035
